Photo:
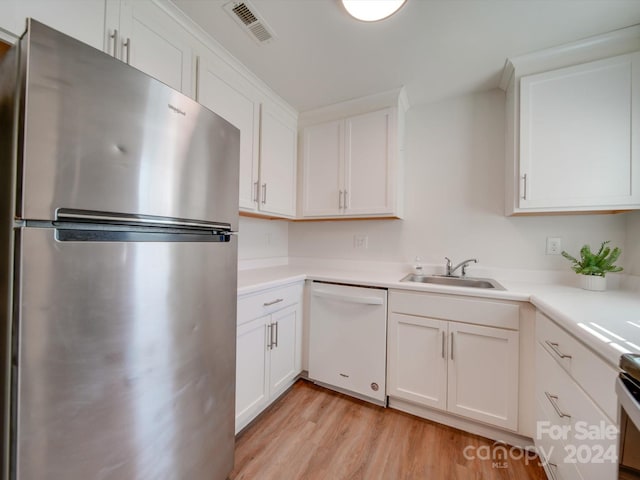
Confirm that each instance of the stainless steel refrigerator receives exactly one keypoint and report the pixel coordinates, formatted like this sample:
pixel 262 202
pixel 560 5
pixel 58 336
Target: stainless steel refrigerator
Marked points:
pixel 117 270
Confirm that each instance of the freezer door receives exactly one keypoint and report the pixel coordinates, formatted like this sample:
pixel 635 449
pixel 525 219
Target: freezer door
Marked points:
pixel 102 136
pixel 125 359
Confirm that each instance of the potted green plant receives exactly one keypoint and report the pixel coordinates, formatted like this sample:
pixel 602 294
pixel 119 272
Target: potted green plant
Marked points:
pixel 594 266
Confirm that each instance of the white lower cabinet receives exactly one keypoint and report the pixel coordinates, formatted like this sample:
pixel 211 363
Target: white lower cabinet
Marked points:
pixel 285 348
pixel 482 374
pixel 416 342
pixel 575 435
pixel 268 349
pixel 252 387
pixel 442 354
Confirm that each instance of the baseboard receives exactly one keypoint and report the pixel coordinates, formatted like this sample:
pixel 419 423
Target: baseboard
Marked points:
pixel 470 426
pixel 349 393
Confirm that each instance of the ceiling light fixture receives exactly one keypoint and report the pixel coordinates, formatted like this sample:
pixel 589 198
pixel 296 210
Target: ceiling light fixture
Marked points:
pixel 372 10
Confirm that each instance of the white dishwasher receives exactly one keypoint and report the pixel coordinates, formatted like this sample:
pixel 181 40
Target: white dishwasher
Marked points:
pixel 348 339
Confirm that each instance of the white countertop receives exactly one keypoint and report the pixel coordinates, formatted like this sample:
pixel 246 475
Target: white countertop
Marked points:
pixel 608 322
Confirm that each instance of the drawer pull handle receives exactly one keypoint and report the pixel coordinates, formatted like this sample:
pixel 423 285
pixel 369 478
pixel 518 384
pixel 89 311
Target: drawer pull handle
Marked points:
pixel 553 399
pixel 556 349
pixel 443 342
pixel 273 302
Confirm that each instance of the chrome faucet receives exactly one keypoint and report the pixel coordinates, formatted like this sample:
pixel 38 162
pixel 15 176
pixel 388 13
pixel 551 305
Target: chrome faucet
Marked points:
pixel 449 270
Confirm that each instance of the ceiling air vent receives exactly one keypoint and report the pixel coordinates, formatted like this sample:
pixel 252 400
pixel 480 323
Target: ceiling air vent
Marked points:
pixel 250 20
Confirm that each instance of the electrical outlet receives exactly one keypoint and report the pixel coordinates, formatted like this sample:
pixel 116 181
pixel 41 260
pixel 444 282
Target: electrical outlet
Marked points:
pixel 554 245
pixel 360 241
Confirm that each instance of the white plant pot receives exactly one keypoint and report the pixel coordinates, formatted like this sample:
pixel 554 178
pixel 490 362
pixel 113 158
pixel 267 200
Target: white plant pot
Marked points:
pixel 593 282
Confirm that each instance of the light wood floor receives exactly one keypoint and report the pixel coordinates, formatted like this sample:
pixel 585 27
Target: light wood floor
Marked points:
pixel 316 434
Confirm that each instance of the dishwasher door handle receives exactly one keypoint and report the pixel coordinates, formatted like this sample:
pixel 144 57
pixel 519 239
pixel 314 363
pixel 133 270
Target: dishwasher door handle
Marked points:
pixel 348 298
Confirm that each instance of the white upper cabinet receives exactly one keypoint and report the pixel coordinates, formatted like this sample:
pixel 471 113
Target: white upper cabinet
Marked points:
pixel 277 163
pixel 143 35
pixel 369 180
pixel 157 38
pixel 230 96
pixel 573 128
pixel 348 166
pixel 80 19
pixel 267 138
pixel 352 166
pixel 323 169
pixel 576 136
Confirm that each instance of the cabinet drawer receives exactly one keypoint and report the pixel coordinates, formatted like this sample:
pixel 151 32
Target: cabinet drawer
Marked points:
pixel 551 450
pixel 459 309
pixel 267 301
pixel 591 372
pixel 589 440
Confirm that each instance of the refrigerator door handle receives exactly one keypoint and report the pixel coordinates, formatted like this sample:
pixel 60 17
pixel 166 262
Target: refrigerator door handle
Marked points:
pixel 104 217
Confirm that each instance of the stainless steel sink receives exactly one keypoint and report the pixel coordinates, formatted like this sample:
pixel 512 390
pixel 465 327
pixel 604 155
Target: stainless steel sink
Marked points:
pixel 454 281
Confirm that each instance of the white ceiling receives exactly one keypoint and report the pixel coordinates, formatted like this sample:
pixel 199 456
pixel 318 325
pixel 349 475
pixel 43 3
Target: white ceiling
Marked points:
pixel 435 48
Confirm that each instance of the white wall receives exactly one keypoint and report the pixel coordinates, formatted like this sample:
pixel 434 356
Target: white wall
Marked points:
pixel 631 259
pixel 260 238
pixel 454 201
